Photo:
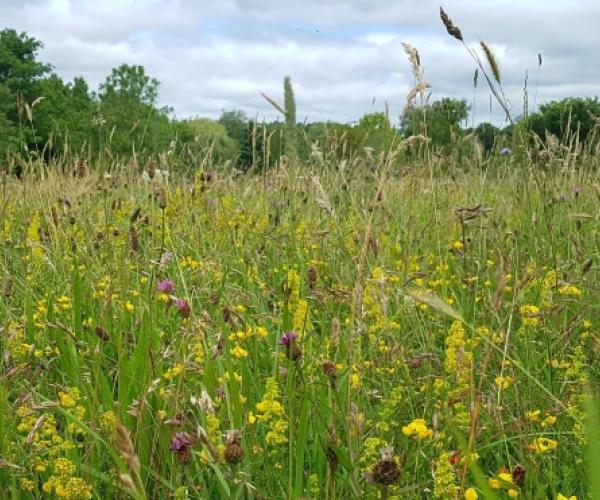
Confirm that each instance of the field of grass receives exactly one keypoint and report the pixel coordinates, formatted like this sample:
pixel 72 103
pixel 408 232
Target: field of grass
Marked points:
pixel 326 331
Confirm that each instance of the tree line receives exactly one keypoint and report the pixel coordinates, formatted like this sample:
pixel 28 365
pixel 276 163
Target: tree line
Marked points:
pixel 42 116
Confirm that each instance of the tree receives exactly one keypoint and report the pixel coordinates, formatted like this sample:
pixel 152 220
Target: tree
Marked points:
pixel 19 74
pixel 487 133
pixel 128 113
pixel 566 117
pixel 210 134
pixel 377 132
pixel 438 121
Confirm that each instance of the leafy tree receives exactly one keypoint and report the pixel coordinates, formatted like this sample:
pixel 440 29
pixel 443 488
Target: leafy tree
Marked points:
pixel 65 116
pixel 438 121
pixel 487 134
pixel 377 132
pixel 566 117
pixel 207 133
pixel 128 113
pixel 19 73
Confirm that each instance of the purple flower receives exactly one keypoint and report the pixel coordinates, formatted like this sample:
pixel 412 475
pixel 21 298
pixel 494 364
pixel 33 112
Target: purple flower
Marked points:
pixel 165 286
pixel 184 308
pixel 288 338
pixel 292 350
pixel 181 442
pixel 505 152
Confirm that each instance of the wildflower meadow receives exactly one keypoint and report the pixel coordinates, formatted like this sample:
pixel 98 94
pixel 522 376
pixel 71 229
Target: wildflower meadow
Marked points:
pixel 313 332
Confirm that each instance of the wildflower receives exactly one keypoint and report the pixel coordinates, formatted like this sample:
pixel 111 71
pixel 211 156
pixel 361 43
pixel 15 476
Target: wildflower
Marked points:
pixel 386 471
pixel 569 291
pixel 288 340
pixel 548 421
pixel 543 445
pixel 560 496
pixel 165 286
pixel 174 371
pixel 233 447
pixel 239 352
pixel 330 370
pixel 181 443
pixel 503 382
pixel 518 475
pixel 529 314
pixel 505 152
pixel 471 494
pixel 417 428
pixel 183 307
pixel 69 398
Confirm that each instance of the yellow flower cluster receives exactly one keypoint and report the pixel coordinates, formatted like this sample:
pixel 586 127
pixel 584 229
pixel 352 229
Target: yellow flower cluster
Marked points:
pixel 64 484
pixel 530 315
pixel 417 429
pixel 504 480
pixel 270 410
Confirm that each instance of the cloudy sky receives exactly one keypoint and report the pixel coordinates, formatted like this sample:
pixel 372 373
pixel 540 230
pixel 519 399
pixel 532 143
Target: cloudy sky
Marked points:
pixel 344 56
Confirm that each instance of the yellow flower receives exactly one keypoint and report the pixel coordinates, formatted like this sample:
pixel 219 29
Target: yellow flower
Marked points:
pixel 569 291
pixel 238 352
pixel 512 493
pixel 471 494
pixel 129 306
pixel 549 420
pixel 560 496
pixel 418 429
pixel 543 445
pixel 529 314
pixel 503 382
pixel 173 372
pixel 69 398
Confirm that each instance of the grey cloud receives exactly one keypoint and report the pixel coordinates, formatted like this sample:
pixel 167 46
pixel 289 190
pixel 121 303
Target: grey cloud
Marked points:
pixel 341 54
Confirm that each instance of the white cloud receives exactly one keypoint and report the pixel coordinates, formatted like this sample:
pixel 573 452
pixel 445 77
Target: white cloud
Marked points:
pixel 341 54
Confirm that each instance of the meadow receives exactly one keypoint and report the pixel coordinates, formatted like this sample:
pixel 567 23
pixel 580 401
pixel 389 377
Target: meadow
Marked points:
pixel 336 329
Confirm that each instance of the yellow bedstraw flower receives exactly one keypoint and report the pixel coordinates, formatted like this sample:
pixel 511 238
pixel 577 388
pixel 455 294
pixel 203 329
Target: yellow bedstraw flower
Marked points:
pixel 239 352
pixel 503 382
pixel 569 291
pixel 418 429
pixel 530 314
pixel 173 372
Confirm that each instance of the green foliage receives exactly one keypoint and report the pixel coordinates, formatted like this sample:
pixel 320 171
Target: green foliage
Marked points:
pixel 130 120
pixel 439 121
pixel 19 74
pixel 566 118
pixel 212 135
pixel 487 135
